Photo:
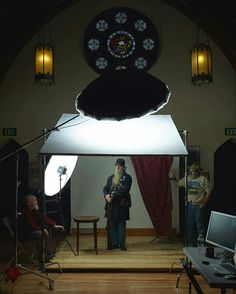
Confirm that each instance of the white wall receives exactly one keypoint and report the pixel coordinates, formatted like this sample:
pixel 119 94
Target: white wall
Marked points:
pixel 88 180
pixel 204 111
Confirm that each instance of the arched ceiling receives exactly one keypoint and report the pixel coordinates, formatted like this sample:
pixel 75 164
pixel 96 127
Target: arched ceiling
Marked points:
pixel 21 19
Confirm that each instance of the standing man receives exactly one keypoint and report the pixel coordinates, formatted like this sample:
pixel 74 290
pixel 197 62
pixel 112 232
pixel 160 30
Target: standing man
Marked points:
pixel 118 202
pixel 199 192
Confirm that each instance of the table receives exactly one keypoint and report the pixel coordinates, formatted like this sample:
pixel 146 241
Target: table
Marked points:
pixel 87 219
pixel 205 270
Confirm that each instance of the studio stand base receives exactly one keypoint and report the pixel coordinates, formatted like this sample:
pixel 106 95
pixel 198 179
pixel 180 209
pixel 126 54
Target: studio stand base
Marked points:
pixel 15 273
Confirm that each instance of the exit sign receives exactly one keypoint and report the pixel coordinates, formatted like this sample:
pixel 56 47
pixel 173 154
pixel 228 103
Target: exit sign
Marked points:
pixel 9 132
pixel 230 131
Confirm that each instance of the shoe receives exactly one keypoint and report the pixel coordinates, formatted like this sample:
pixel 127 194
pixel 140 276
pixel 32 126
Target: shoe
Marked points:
pixel 48 259
pixel 50 255
pixel 112 247
pixel 123 248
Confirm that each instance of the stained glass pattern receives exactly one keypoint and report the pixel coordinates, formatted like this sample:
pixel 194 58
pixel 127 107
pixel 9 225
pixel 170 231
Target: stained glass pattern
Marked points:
pixel 121 38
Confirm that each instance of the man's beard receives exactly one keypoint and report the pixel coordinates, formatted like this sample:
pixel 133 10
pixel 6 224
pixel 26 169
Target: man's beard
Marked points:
pixel 117 176
pixel 36 207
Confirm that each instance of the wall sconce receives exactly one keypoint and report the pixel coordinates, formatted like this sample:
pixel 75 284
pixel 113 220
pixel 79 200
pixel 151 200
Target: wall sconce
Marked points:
pixel 201 63
pixel 44 61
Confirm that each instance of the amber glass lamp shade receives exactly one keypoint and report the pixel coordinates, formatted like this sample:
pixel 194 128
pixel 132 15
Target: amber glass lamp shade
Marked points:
pixel 44 64
pixel 201 64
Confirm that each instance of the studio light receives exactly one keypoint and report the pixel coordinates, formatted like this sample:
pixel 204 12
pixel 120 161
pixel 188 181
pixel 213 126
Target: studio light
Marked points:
pixel 58 172
pixel 122 94
pixel 201 63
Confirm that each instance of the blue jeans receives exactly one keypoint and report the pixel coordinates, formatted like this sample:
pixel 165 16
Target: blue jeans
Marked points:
pixel 118 233
pixel 195 224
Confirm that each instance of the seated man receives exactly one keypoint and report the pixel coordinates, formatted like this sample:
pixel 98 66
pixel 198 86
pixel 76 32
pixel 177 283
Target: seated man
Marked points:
pixel 30 228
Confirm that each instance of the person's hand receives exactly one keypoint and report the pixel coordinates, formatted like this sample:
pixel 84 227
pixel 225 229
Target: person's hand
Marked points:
pixel 173 177
pixel 59 227
pixel 173 174
pixel 46 232
pixel 108 198
pixel 202 205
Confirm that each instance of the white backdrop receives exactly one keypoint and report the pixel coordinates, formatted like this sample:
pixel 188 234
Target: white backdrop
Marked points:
pixel 87 182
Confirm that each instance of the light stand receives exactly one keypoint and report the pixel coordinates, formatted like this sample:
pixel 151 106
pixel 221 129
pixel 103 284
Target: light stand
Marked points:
pixel 185 133
pixel 62 171
pixel 43 266
pixel 186 241
pixel 16 265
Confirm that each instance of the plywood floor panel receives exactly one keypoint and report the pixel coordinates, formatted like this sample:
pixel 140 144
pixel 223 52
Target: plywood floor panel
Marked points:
pixel 142 254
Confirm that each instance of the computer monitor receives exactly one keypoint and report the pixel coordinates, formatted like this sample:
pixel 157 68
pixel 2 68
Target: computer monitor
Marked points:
pixel 221 231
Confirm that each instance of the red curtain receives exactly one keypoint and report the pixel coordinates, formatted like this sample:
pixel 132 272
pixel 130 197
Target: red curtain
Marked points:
pixel 152 177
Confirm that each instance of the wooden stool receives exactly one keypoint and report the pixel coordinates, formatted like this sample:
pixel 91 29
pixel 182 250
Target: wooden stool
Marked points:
pixel 87 219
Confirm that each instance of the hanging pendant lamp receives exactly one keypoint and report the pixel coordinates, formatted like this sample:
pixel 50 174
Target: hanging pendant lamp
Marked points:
pixel 44 64
pixel 201 63
pixel 44 58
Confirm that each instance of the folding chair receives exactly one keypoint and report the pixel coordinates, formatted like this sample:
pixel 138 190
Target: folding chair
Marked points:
pixel 20 244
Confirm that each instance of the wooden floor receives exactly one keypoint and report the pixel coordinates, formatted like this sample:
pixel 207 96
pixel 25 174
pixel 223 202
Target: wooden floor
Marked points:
pixel 143 254
pixel 142 269
pixel 102 283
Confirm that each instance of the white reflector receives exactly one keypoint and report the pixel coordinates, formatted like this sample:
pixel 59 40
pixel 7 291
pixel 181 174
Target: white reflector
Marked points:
pixel 58 172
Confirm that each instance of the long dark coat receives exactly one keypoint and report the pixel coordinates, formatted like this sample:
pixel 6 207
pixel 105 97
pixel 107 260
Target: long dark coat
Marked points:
pixel 120 193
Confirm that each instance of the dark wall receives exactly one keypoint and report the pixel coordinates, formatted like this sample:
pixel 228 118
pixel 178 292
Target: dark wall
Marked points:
pixel 12 178
pixel 225 178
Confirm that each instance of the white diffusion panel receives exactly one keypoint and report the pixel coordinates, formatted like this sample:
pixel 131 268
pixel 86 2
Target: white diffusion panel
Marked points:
pixel 149 135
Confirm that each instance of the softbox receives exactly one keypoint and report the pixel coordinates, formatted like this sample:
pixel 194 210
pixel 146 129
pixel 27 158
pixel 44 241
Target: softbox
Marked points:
pixel 122 94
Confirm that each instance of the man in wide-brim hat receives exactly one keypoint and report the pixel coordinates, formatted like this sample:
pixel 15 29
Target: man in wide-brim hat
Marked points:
pixel 199 192
pixel 118 202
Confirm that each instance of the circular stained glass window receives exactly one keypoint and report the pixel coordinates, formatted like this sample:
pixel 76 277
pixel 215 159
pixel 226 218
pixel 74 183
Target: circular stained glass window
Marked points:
pixel 121 38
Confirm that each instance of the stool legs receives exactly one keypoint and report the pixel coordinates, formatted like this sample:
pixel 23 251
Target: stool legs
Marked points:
pixel 77 238
pixel 95 237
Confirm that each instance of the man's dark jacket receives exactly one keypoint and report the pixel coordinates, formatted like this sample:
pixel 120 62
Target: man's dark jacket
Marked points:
pixel 120 194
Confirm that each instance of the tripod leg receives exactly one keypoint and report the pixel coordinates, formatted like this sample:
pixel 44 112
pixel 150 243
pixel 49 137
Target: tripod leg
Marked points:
pixel 3 274
pixel 50 281
pixel 154 239
pixel 62 219
pixel 70 246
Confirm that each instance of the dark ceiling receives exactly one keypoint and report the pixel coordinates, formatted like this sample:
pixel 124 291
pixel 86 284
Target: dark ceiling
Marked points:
pixel 21 19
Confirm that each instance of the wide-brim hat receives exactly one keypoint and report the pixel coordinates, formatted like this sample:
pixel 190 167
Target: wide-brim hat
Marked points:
pixel 120 161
